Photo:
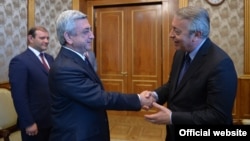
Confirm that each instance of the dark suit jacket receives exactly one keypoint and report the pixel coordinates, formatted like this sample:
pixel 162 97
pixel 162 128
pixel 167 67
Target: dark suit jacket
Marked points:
pixel 30 91
pixel 207 91
pixel 80 102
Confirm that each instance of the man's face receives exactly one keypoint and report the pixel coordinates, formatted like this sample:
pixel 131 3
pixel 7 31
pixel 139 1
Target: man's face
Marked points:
pixel 81 42
pixel 41 40
pixel 180 34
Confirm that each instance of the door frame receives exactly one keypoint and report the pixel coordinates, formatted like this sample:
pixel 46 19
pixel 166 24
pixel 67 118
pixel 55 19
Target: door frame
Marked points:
pixel 168 9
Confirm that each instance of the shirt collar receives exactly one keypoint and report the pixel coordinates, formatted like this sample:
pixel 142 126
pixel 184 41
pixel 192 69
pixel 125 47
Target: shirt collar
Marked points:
pixel 194 52
pixel 82 56
pixel 36 52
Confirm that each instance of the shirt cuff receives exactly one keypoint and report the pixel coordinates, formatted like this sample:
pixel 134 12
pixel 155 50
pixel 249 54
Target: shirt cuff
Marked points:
pixel 170 118
pixel 139 97
pixel 154 94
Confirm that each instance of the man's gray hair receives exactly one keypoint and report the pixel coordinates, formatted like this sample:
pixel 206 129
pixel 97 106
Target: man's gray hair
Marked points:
pixel 199 18
pixel 66 23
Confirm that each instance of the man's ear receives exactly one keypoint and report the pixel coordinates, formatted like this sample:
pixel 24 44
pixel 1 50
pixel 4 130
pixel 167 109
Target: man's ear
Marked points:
pixel 197 35
pixel 30 37
pixel 67 38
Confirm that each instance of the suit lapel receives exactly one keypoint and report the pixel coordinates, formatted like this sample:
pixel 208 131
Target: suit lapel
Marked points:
pixel 91 72
pixel 178 67
pixel 89 65
pixel 77 59
pixel 195 65
pixel 36 61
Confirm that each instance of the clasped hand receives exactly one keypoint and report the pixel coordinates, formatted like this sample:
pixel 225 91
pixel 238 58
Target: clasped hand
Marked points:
pixel 147 99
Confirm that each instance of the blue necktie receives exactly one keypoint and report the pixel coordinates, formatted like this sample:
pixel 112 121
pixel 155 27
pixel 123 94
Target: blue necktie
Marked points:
pixel 87 60
pixel 185 66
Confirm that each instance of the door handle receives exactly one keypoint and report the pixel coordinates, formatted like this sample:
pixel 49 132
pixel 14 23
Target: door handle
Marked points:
pixel 124 73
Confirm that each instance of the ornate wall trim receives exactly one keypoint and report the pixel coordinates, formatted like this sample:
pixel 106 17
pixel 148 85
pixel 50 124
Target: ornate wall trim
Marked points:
pixel 247 37
pixel 183 3
pixel 31 13
pixel 76 4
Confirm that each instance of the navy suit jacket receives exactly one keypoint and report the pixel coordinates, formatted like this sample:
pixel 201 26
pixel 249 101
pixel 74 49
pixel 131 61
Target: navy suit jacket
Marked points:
pixel 207 91
pixel 80 102
pixel 30 91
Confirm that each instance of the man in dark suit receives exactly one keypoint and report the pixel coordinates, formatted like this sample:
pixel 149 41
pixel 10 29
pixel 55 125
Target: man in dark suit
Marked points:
pixel 28 78
pixel 205 94
pixel 79 102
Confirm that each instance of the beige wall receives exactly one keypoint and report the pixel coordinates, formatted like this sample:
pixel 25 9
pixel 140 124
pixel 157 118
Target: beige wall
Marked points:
pixel 13 27
pixel 227 27
pixel 46 12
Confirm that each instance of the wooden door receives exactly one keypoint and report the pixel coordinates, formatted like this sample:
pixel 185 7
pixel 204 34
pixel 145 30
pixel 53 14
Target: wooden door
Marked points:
pixel 128 47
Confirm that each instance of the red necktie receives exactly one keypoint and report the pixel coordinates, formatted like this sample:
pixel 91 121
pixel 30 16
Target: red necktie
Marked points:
pixel 44 62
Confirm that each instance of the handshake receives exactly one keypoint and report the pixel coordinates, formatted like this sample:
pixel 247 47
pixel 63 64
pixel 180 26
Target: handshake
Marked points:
pixel 147 98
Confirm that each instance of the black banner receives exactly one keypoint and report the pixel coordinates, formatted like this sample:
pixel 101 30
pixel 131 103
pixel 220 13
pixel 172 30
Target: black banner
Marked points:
pixel 239 132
